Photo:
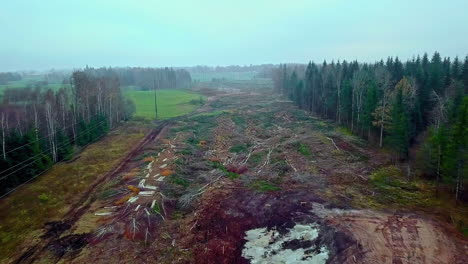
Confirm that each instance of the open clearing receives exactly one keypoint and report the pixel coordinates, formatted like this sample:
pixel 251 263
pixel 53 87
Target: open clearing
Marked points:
pixel 247 172
pixel 171 103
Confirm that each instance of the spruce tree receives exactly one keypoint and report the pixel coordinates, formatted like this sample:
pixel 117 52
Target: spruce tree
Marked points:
pixel 399 134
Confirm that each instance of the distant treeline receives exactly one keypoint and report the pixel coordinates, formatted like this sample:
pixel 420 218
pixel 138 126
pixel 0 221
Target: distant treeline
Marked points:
pixel 144 78
pixel 231 68
pixel 39 128
pixel 5 77
pixel 147 78
pixel 421 102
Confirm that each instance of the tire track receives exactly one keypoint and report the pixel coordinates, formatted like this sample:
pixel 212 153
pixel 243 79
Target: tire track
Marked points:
pixel 82 205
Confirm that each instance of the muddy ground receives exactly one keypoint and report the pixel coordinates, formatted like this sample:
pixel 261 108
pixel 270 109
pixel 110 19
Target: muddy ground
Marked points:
pixel 248 162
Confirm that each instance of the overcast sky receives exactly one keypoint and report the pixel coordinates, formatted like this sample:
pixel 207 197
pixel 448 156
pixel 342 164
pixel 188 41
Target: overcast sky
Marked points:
pixel 44 34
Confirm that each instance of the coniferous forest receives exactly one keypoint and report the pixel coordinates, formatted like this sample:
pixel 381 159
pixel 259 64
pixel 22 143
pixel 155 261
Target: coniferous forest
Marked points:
pixel 417 109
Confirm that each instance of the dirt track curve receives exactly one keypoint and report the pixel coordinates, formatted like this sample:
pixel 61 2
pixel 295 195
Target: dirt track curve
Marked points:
pixel 55 229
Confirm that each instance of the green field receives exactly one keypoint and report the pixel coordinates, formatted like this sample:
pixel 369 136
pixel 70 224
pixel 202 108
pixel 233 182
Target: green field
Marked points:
pixel 171 103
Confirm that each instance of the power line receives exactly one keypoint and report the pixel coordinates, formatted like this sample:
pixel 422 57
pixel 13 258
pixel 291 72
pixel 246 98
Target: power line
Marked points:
pixel 42 152
pixel 14 189
pixel 49 134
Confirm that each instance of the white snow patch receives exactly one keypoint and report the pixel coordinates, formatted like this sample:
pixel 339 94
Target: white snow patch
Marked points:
pixel 266 246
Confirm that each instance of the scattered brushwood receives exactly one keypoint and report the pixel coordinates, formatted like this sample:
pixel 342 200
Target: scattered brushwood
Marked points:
pixel 101 233
pixel 186 201
pixel 130 175
pixel 109 193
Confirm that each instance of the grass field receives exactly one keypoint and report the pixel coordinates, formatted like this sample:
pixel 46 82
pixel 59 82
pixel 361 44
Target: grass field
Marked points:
pixel 171 103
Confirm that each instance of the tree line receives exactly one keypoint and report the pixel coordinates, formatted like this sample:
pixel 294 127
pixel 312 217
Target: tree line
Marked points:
pixel 40 127
pixel 5 77
pixel 420 103
pixel 148 78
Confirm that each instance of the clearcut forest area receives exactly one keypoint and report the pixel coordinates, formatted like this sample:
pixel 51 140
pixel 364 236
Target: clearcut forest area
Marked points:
pixel 318 163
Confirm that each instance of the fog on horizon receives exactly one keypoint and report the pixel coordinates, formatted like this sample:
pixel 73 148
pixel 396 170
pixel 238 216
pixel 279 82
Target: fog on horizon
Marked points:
pixel 40 35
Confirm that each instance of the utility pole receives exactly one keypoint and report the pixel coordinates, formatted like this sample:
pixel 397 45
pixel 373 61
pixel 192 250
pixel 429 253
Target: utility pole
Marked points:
pixel 155 99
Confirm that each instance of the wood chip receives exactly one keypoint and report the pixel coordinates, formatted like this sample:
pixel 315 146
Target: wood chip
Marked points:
pixel 146 193
pixel 138 207
pixel 103 213
pixel 133 199
pixel 142 183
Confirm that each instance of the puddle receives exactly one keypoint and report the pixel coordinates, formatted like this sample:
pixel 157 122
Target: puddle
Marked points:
pixel 299 244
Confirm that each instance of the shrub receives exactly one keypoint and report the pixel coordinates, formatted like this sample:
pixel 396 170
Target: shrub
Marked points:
pixel 176 179
pixel 238 148
pixel 264 186
pixel 220 166
pixel 44 198
pixel 303 149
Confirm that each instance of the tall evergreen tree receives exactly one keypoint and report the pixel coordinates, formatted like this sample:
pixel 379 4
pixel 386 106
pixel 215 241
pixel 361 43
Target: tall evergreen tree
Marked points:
pixel 399 132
